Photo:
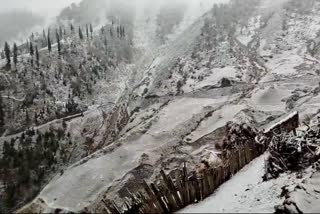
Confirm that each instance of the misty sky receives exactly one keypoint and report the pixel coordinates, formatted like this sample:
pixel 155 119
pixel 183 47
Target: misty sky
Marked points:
pixel 42 7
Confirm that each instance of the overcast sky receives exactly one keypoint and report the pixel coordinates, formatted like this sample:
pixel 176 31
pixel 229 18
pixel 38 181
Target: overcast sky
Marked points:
pixel 42 7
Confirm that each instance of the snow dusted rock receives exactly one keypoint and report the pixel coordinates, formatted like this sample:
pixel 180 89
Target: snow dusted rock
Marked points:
pixel 302 197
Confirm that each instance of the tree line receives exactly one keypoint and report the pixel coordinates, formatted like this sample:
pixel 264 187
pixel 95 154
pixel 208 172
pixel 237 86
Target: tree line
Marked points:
pixel 32 46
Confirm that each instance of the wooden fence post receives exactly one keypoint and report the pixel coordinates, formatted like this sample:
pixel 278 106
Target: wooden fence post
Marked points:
pixel 159 199
pixel 168 181
pixel 153 197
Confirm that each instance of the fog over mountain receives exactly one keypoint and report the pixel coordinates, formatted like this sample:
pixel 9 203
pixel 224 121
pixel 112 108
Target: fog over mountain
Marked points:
pixel 19 17
pixel 41 7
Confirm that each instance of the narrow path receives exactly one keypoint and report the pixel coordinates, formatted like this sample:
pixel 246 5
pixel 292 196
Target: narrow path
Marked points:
pixel 55 121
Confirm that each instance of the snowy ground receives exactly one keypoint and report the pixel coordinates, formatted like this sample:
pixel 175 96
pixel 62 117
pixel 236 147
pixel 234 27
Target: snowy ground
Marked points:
pixel 168 132
pixel 245 192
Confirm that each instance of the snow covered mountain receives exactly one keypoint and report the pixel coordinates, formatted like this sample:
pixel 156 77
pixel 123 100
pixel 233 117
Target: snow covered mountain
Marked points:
pixel 158 97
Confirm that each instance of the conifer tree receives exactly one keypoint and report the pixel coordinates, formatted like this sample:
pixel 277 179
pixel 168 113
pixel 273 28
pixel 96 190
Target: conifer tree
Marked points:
pixel 80 33
pixel 37 56
pixel 32 37
pixel 44 38
pixel 105 42
pixel 15 54
pixel 111 32
pixel 49 42
pixel 31 52
pixel 44 35
pixel 118 31
pixel 31 49
pixel 123 32
pixel 59 45
pixel 91 30
pixel 71 28
pixel 87 31
pixel 1 114
pixel 7 53
pixel 60 32
pixel 28 46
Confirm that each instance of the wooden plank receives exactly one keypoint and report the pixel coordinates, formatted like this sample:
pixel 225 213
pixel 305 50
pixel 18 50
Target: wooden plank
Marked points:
pixel 210 181
pixel 240 159
pixel 160 200
pixel 192 191
pixel 219 175
pixel 110 206
pixel 180 189
pixel 186 191
pixel 168 198
pixel 116 207
pixel 169 183
pixel 153 197
pixel 197 188
pixel 205 185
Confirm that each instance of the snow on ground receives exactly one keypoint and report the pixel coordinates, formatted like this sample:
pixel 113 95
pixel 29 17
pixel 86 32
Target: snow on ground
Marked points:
pixel 218 119
pixel 307 197
pixel 82 182
pixel 244 193
pixel 270 98
pixel 181 110
pixel 215 76
pixel 285 63
pixel 246 36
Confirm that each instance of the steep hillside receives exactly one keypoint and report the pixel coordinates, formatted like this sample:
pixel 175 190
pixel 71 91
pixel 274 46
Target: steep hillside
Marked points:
pixel 168 100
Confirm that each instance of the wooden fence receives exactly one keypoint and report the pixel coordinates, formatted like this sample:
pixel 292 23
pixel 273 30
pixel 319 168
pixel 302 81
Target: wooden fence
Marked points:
pixel 173 194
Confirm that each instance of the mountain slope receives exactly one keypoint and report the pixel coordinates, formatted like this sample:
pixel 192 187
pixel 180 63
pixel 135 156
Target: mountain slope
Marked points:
pixel 230 64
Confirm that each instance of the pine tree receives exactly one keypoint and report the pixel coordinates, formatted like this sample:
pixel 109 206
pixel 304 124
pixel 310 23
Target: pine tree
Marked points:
pixel 1 114
pixel 44 38
pixel 49 41
pixel 44 35
pixel 60 32
pixel 105 42
pixel 31 52
pixel 31 49
pixel 111 32
pixel 58 41
pixel 28 47
pixel 7 53
pixel 87 31
pixel 15 54
pixel 32 37
pixel 80 33
pixel 37 56
pixel 71 28
pixel 123 32
pixel 118 31
pixel 27 118
pixel 91 30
